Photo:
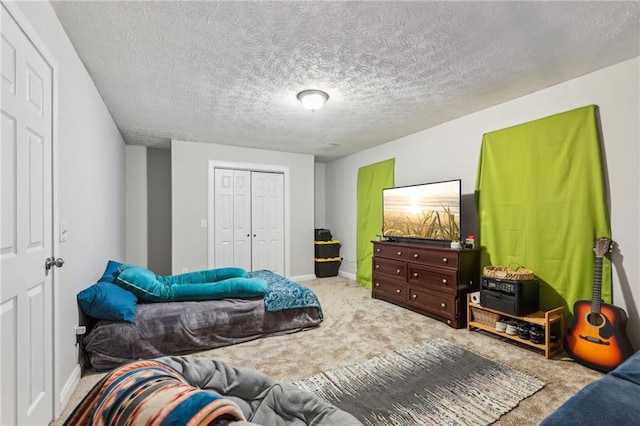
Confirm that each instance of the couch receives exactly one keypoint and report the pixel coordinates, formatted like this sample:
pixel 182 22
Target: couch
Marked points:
pixel 613 399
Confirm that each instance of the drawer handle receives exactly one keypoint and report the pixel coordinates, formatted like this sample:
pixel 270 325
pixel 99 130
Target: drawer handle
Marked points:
pixel 445 260
pixel 378 250
pixel 444 305
pixel 415 275
pixel 416 255
pixel 377 266
pixel 397 271
pixel 399 253
pixel 444 281
pixel 414 296
pixel 377 284
pixel 398 291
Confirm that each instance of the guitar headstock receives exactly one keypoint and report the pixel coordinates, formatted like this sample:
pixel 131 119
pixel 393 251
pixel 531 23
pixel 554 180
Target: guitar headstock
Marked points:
pixel 602 246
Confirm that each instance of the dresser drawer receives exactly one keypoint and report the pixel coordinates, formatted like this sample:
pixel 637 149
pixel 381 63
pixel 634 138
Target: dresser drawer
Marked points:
pixel 391 251
pixel 392 268
pixel 438 303
pixel 384 288
pixel 433 257
pixel 438 279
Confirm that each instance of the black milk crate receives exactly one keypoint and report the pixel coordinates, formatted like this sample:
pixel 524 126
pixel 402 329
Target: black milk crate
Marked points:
pixel 322 234
pixel 326 249
pixel 327 267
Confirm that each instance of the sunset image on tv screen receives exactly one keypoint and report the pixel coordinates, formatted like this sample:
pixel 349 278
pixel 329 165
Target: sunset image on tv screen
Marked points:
pixel 430 211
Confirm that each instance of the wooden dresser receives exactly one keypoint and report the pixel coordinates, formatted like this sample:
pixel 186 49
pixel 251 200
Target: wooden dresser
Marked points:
pixel 429 279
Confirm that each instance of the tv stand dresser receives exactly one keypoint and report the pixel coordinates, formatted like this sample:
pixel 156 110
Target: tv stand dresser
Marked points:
pixel 429 279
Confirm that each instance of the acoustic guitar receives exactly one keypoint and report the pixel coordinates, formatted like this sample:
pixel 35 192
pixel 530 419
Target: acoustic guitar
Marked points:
pixel 597 337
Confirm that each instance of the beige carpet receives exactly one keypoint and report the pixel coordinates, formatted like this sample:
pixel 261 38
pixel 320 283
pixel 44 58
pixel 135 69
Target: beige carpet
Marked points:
pixel 357 327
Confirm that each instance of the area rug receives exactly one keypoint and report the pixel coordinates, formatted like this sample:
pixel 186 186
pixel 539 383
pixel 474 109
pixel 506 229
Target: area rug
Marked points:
pixel 435 383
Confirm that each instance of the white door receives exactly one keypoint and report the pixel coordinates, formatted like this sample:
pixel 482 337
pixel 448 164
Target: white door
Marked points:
pixel 267 221
pixel 248 219
pixel 26 235
pixel 232 218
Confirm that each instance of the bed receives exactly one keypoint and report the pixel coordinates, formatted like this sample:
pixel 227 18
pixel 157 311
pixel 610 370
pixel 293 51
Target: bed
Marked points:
pixel 177 328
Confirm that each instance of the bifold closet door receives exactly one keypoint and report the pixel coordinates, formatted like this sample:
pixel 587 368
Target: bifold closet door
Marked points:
pixel 249 220
pixel 267 221
pixel 233 218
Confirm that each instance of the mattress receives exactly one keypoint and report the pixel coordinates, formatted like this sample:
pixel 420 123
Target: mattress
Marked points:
pixel 178 328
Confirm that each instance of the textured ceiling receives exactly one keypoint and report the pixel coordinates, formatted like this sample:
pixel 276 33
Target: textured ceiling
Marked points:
pixel 229 72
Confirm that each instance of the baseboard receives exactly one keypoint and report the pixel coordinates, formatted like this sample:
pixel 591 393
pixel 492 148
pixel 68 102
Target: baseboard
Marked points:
pixel 302 278
pixel 69 387
pixel 347 275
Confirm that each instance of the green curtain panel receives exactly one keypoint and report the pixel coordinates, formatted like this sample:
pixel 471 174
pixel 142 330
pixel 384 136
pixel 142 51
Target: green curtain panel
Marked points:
pixel 541 201
pixel 372 179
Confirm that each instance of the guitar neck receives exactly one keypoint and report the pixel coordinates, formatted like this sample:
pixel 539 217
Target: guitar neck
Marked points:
pixel 596 299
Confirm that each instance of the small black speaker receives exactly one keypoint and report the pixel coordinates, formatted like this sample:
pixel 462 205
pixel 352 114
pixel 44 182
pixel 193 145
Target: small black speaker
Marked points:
pixel 512 297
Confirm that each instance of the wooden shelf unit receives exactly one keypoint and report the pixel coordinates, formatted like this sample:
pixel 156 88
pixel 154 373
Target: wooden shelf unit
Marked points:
pixel 542 318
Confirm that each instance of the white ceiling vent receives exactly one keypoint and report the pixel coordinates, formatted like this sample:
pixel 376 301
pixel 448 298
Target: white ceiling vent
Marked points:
pixel 329 145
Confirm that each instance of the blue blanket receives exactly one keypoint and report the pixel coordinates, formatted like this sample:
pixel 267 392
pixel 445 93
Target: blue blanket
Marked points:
pixel 284 294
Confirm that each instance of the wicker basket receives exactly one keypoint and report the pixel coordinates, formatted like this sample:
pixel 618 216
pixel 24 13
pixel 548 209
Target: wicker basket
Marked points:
pixel 484 317
pixel 513 272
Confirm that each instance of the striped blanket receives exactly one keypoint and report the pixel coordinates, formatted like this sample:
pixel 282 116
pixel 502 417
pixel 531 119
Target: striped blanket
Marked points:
pixel 151 393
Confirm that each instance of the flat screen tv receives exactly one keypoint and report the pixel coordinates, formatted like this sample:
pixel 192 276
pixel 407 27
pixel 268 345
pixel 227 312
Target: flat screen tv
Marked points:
pixel 429 211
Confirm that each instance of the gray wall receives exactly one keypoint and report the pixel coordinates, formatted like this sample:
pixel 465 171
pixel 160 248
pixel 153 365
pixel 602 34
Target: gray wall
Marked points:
pixel 189 202
pixel 159 210
pixel 90 192
pixel 320 195
pixel 451 150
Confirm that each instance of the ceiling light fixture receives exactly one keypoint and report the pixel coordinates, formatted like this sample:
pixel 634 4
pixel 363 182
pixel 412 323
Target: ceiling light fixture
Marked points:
pixel 312 99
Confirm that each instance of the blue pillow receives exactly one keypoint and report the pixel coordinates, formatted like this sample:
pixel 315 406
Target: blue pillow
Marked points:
pixel 111 273
pixel 207 276
pixel 150 287
pixel 239 287
pixel 107 301
pixel 145 284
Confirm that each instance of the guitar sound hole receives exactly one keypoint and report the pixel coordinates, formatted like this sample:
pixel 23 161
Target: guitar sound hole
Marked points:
pixel 595 319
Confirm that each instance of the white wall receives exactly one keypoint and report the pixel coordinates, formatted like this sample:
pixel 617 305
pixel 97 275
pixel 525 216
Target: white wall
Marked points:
pixel 136 205
pixel 451 150
pixel 189 200
pixel 90 194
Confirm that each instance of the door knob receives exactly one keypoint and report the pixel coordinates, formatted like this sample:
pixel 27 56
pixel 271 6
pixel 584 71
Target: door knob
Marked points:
pixel 51 262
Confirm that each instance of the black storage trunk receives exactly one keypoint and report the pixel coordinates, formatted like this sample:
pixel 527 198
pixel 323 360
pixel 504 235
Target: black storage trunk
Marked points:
pixel 328 248
pixel 327 267
pixel 323 234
